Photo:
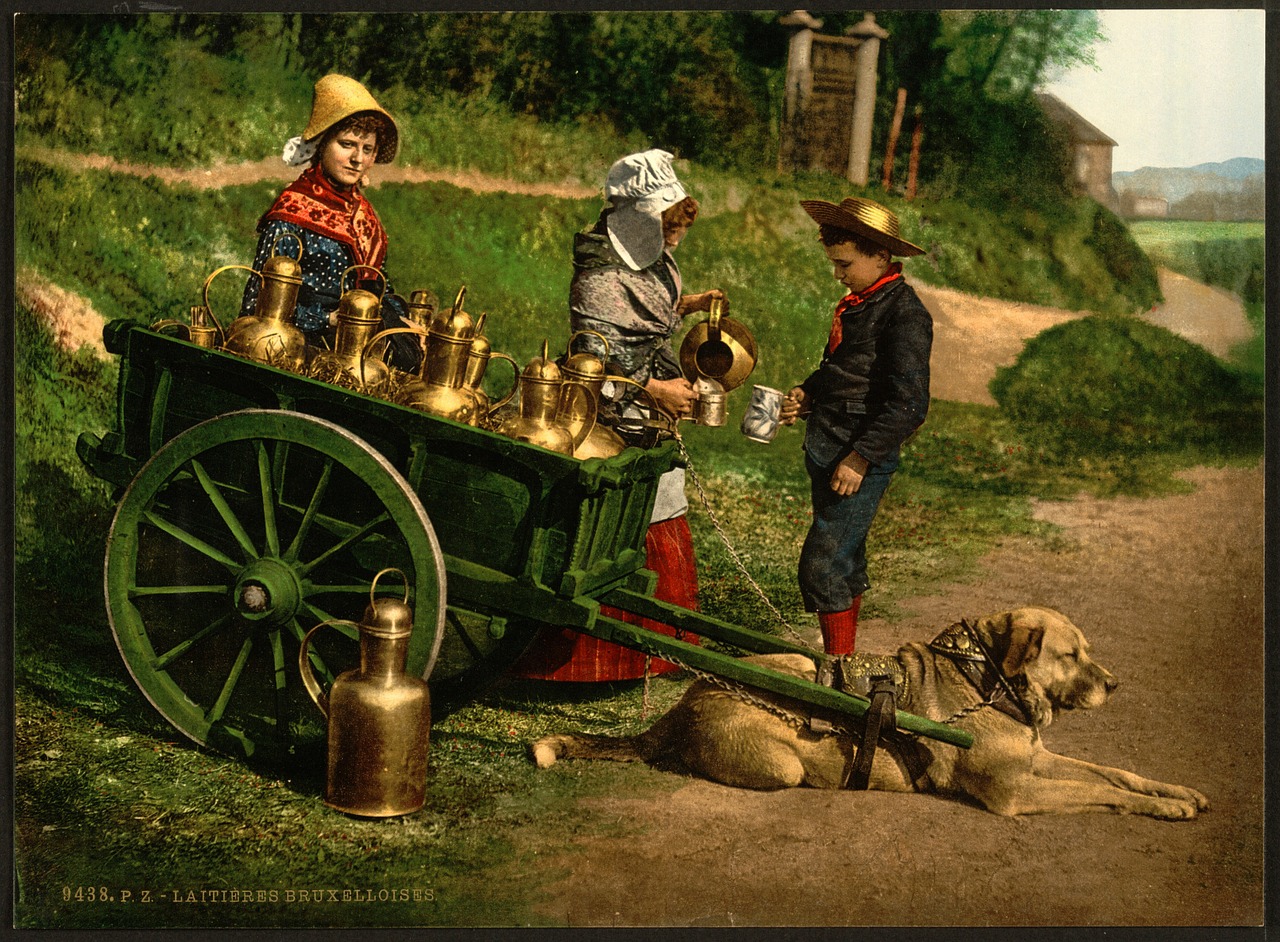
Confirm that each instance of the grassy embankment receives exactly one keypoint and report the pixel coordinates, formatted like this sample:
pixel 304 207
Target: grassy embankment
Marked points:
pixel 108 795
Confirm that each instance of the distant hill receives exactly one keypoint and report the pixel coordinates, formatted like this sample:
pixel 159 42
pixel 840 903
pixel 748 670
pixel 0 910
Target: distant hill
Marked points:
pixel 1231 189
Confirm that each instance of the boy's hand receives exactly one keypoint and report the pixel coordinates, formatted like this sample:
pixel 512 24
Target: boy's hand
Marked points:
pixel 794 405
pixel 849 473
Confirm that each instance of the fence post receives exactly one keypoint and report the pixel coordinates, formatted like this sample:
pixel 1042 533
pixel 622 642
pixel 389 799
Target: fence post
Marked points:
pixel 864 96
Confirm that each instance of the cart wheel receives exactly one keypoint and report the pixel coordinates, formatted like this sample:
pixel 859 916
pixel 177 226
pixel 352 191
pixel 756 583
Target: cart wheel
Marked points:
pixel 233 540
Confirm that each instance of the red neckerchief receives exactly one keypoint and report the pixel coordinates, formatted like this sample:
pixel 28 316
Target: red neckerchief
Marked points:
pixel 852 300
pixel 312 201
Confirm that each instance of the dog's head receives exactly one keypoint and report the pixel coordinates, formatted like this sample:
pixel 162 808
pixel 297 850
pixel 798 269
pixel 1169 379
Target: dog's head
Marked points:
pixel 1047 658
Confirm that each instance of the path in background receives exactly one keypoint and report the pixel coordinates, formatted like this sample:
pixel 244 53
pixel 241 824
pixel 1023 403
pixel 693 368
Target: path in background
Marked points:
pixel 973 336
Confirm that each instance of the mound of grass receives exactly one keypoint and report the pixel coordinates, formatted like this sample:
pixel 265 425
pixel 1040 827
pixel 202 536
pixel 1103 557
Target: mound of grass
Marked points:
pixel 1118 386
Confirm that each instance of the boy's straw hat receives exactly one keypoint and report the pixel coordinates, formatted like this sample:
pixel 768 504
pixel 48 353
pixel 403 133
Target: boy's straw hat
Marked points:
pixel 338 97
pixel 864 217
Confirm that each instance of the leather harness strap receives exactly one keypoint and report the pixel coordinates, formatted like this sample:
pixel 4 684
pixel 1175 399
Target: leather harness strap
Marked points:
pixel 883 710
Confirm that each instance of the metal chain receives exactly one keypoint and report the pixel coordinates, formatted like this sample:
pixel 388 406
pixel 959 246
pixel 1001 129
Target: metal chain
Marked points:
pixel 733 553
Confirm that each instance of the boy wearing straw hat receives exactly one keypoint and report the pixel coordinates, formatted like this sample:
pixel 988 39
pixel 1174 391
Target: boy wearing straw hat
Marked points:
pixel 325 207
pixel 868 395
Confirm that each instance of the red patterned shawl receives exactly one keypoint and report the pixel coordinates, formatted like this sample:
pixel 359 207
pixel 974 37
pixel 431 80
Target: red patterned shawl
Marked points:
pixel 311 201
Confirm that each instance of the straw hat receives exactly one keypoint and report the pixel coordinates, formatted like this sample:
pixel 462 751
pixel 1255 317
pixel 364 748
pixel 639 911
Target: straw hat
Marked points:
pixel 338 97
pixel 639 187
pixel 863 217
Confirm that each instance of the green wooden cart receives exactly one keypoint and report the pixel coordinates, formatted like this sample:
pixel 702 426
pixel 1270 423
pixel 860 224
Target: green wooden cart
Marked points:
pixel 255 503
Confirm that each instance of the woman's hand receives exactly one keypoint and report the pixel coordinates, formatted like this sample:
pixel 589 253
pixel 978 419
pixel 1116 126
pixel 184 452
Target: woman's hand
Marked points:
pixel 848 475
pixel 676 396
pixel 794 405
pixel 691 303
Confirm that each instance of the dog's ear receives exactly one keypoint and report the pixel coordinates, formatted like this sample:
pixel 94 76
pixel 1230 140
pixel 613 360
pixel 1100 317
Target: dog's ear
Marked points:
pixel 1023 647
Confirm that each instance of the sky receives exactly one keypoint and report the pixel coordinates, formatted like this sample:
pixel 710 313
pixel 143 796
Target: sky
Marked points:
pixel 1174 88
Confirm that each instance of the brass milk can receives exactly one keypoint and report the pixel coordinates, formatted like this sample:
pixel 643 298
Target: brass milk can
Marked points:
pixel 379 716
pixel 439 387
pixel 588 370
pixel 549 407
pixel 349 363
pixel 269 334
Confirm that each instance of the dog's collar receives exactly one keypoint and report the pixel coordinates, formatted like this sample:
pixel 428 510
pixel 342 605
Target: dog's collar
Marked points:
pixel 962 645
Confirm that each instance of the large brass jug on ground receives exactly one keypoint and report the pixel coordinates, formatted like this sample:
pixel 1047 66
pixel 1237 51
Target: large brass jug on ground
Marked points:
pixel 379 717
pixel 719 348
pixel 588 370
pixel 269 334
pixel 549 408
pixel 351 363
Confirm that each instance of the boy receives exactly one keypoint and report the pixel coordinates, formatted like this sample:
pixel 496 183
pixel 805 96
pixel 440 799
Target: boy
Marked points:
pixel 868 395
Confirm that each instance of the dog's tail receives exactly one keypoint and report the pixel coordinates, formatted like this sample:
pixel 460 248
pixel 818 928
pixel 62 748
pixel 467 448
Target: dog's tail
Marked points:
pixel 548 749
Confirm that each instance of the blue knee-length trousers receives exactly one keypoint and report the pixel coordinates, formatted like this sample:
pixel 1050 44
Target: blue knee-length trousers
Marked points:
pixel 833 561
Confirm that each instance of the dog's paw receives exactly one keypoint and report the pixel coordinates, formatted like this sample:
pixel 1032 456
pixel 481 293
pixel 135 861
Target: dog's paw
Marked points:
pixel 1174 809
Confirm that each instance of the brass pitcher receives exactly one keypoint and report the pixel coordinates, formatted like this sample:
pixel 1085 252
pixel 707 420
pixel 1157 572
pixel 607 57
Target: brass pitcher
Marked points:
pixel 479 355
pixel 553 414
pixel 439 387
pixel 379 716
pixel 719 348
pixel 350 363
pixel 269 334
pixel 200 330
pixel 588 370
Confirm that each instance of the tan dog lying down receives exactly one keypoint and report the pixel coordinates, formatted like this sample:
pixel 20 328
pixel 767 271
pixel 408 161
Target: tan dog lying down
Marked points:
pixel 1044 658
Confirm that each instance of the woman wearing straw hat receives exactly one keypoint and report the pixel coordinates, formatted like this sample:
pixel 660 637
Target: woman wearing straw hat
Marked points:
pixel 348 132
pixel 868 395
pixel 626 286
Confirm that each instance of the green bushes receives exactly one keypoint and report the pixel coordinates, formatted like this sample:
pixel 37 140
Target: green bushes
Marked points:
pixel 61 512
pixel 1118 387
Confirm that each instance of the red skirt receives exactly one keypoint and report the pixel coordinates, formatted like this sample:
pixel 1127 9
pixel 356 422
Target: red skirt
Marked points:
pixel 565 654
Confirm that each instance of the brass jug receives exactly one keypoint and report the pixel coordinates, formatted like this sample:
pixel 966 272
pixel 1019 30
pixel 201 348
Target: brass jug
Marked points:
pixel 379 716
pixel 269 334
pixel 351 363
pixel 719 348
pixel 479 355
pixel 439 387
pixel 200 330
pixel 588 370
pixel 550 408
pixel 422 308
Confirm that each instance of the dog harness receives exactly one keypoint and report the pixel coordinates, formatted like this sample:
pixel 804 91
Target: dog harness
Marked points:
pixel 962 645
pixel 883 680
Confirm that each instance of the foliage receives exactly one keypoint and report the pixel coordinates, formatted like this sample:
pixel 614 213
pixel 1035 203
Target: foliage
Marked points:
pixel 1119 386
pixel 704 84
pixel 59 508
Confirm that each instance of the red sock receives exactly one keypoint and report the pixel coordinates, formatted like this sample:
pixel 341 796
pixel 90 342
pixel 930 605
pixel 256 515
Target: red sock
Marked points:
pixel 840 628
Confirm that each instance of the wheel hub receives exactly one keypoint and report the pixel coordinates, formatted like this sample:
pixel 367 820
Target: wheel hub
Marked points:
pixel 267 591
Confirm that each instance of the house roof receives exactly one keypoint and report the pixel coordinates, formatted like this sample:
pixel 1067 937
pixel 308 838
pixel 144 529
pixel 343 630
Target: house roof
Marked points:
pixel 1059 111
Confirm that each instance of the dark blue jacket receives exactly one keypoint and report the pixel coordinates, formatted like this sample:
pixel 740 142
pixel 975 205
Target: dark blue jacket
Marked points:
pixel 872 392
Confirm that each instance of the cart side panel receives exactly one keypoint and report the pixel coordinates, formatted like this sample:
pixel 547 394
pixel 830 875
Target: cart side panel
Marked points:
pixel 516 510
